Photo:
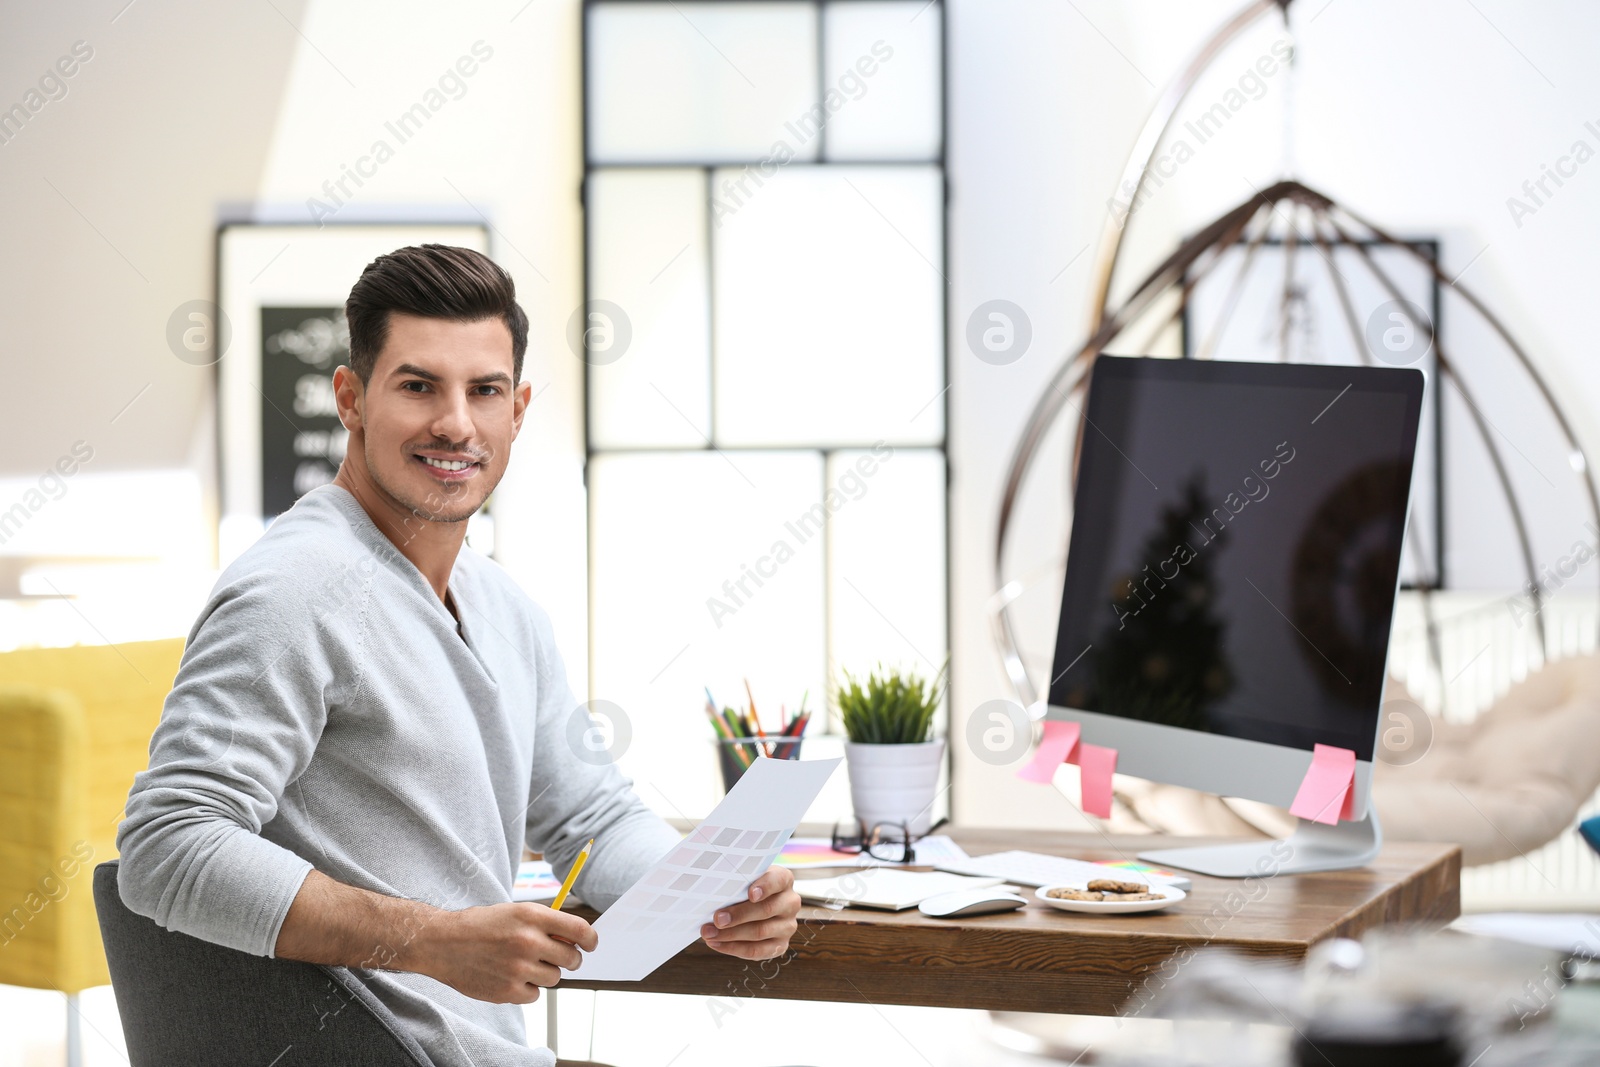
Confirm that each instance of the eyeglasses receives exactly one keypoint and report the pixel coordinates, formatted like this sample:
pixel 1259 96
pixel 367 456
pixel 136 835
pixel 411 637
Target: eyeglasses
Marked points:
pixel 887 841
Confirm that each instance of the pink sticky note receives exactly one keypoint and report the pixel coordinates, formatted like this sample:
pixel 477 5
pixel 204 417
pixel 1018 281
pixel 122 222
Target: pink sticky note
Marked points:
pixel 1056 746
pixel 1097 763
pixel 1327 794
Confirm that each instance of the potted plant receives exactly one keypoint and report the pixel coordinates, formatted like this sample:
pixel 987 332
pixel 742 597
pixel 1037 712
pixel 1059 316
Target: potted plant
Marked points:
pixel 891 755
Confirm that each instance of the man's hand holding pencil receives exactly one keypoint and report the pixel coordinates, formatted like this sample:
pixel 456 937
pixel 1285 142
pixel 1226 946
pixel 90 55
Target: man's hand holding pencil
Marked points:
pixel 502 953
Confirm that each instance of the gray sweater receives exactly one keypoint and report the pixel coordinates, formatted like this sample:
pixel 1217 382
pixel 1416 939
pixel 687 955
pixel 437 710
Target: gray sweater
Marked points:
pixel 328 714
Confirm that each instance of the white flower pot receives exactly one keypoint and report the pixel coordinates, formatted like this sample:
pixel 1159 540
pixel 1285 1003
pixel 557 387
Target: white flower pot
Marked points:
pixel 894 783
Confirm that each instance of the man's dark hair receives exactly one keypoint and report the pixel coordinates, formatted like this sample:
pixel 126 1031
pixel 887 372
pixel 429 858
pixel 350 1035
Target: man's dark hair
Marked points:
pixel 436 282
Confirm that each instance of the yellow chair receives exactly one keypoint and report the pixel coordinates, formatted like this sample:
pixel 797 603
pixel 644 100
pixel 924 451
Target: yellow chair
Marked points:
pixel 76 724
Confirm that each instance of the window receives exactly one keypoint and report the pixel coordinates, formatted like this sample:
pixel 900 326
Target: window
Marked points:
pixel 763 329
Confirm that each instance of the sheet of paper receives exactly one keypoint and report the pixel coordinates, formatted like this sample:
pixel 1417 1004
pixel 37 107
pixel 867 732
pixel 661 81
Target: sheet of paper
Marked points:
pixel 937 848
pixel 1054 748
pixel 1097 763
pixel 663 912
pixel 885 887
pixel 1327 793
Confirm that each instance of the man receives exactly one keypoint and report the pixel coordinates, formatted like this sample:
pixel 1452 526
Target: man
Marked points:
pixel 369 723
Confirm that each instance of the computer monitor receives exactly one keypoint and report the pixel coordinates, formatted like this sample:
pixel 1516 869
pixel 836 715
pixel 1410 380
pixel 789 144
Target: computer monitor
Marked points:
pixel 1231 582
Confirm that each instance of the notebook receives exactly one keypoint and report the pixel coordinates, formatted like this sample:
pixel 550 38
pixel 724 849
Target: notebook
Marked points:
pixel 887 888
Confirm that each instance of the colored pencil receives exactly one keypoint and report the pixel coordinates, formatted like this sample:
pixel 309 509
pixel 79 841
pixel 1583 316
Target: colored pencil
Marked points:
pixel 724 732
pixel 736 731
pixel 717 724
pixel 742 730
pixel 756 717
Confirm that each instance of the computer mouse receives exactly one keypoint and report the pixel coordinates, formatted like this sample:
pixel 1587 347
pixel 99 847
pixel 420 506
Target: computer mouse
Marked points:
pixel 964 902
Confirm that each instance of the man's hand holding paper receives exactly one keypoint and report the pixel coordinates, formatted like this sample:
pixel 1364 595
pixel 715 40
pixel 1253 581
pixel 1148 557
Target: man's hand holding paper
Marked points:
pixel 724 867
pixel 760 928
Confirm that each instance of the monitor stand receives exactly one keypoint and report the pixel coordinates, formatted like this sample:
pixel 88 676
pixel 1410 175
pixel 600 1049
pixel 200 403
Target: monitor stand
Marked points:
pixel 1313 846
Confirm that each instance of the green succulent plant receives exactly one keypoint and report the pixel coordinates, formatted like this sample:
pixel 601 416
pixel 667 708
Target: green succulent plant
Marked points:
pixel 888 707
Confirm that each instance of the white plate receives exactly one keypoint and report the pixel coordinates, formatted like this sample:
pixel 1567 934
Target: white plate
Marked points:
pixel 1169 896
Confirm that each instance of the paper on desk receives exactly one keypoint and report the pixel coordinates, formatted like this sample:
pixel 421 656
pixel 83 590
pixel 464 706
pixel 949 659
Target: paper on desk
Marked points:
pixel 936 848
pixel 805 852
pixel 713 867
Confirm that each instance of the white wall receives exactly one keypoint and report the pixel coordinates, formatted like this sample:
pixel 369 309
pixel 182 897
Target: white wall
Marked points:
pixel 508 147
pixel 108 205
pixel 187 111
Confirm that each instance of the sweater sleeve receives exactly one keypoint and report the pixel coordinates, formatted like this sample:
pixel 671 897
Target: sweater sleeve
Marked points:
pixel 579 793
pixel 241 723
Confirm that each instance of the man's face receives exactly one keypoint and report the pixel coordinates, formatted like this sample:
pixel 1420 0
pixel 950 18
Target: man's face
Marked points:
pixel 439 414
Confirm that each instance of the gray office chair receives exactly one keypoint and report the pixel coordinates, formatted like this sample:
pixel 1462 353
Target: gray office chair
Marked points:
pixel 185 1001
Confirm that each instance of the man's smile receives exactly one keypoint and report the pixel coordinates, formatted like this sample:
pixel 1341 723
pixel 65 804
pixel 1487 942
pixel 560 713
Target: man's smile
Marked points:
pixel 448 467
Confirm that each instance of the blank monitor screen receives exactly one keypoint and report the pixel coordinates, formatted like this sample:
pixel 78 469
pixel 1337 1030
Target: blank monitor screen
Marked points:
pixel 1235 547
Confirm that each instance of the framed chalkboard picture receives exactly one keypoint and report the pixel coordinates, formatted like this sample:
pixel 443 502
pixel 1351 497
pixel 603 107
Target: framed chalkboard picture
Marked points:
pixel 281 291
pixel 302 440
pixel 1226 320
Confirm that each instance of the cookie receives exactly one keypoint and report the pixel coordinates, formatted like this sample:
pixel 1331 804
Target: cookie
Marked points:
pixel 1074 894
pixel 1111 885
pixel 1134 896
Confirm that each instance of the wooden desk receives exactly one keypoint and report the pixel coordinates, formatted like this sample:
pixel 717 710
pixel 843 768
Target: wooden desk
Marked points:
pixel 1042 960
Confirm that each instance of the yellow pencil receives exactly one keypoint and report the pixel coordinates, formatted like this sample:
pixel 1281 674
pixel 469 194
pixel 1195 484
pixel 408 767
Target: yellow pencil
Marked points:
pixel 572 876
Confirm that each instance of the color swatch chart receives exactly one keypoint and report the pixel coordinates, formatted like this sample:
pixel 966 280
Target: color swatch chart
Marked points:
pixel 715 864
pixel 663 911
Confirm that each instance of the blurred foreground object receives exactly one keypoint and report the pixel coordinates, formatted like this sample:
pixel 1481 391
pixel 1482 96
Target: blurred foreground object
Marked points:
pixel 1396 997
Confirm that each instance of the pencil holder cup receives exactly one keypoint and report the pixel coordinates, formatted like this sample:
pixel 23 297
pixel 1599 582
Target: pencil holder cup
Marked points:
pixel 734 755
